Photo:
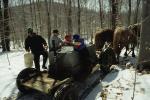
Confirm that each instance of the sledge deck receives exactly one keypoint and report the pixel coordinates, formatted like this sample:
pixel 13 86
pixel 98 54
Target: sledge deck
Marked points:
pixel 42 83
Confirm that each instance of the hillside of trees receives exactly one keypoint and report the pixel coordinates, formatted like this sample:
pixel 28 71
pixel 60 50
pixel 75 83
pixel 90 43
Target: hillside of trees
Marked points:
pixel 68 16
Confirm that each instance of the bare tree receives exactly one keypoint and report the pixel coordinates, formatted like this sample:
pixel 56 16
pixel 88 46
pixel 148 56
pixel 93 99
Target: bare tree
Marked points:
pixel 55 14
pixel 31 10
pixel 48 9
pixel 39 15
pixel 129 12
pixel 101 12
pixel 145 37
pixel 136 11
pixel 6 33
pixel 24 21
pixel 35 16
pixel 78 15
pixel 69 17
pixel 114 5
pixel 1 23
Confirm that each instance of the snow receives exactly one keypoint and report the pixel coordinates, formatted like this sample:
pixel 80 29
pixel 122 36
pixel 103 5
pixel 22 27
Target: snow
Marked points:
pixel 9 72
pixel 117 85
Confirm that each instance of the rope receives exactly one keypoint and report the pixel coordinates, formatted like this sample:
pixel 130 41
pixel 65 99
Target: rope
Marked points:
pixel 133 95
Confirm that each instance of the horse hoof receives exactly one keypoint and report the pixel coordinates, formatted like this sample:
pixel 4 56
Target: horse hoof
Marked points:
pixel 117 62
pixel 125 54
pixel 133 56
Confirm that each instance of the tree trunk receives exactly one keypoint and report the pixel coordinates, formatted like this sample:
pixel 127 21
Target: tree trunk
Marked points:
pixel 48 10
pixel 35 17
pixel 69 17
pixel 24 22
pixel 114 5
pixel 101 13
pixel 145 37
pixel 78 15
pixel 39 15
pixel 129 13
pixel 31 13
pixel 1 24
pixel 6 33
pixel 136 11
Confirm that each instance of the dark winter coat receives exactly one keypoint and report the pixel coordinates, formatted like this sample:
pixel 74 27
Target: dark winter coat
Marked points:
pixel 35 43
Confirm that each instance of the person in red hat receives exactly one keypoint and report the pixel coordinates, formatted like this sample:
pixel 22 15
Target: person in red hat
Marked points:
pixel 68 39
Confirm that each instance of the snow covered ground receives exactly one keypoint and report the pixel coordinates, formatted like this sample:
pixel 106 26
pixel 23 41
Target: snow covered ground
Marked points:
pixel 10 65
pixel 118 85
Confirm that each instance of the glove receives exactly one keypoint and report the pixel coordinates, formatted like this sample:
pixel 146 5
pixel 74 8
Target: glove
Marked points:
pixel 45 47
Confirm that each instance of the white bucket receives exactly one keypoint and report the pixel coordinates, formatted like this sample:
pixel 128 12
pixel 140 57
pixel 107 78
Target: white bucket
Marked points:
pixel 28 59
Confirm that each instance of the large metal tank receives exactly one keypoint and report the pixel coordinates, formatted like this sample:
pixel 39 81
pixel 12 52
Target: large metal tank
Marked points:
pixel 75 64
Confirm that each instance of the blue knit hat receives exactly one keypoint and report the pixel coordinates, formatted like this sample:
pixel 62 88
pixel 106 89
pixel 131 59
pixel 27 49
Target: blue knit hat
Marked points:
pixel 76 37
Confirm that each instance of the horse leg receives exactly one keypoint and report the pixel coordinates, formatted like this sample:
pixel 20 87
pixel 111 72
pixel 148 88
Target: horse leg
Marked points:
pixel 101 44
pixel 133 54
pixel 127 48
pixel 125 54
pixel 117 59
pixel 118 55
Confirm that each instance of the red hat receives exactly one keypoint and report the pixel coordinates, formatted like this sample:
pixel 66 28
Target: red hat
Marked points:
pixel 68 38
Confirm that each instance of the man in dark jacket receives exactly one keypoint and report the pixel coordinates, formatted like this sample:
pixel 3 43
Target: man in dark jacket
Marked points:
pixel 37 45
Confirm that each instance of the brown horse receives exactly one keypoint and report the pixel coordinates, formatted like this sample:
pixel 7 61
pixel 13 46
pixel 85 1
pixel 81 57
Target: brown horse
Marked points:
pixel 122 38
pixel 136 28
pixel 105 35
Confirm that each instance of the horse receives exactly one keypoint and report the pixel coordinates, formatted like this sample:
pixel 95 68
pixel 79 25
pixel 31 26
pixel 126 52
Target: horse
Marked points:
pixel 123 37
pixel 105 35
pixel 106 56
pixel 136 28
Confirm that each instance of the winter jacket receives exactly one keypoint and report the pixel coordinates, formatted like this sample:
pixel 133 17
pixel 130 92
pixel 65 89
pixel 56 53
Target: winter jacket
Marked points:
pixel 57 40
pixel 35 43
